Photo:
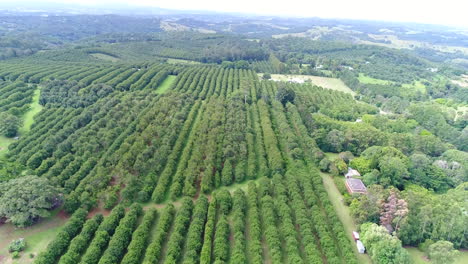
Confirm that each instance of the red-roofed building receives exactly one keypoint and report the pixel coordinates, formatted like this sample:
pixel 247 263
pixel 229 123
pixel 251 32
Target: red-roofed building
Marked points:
pixel 355 186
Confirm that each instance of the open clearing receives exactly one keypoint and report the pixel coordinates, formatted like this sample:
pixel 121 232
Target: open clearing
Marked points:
pixel 4 142
pixel 180 61
pixel 166 84
pixel 418 256
pixel 463 81
pixel 325 82
pixel 343 213
pixel 416 85
pixel 369 80
pixel 105 57
pixel 28 117
pixel 37 237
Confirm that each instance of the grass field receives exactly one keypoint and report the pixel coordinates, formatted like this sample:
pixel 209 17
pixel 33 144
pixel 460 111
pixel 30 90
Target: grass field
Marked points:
pixel 418 256
pixel 166 84
pixel 104 57
pixel 369 80
pixel 29 115
pixel 37 237
pixel 417 85
pixel 325 82
pixel 4 142
pixel 343 213
pixel 180 61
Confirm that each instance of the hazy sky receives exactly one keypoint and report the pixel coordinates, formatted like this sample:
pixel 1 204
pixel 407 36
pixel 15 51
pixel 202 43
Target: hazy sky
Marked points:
pixel 448 12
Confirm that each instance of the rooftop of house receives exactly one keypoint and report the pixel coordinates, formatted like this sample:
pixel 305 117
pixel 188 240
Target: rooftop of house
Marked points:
pixel 355 186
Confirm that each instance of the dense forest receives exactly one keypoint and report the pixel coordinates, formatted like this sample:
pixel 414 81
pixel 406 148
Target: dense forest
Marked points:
pixel 183 146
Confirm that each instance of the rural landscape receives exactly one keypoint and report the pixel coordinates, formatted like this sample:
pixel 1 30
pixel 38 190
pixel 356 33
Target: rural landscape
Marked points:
pixel 153 135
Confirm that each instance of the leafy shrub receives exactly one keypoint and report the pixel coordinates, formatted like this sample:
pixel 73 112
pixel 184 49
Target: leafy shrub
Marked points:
pixel 17 245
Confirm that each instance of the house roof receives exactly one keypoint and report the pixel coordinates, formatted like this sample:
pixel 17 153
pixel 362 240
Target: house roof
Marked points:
pixel 355 186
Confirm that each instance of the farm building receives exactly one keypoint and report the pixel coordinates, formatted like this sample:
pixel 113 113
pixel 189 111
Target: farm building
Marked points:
pixel 360 247
pixel 352 173
pixel 355 186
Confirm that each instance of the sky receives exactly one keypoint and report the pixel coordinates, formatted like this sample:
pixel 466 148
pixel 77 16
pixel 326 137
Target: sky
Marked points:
pixel 444 12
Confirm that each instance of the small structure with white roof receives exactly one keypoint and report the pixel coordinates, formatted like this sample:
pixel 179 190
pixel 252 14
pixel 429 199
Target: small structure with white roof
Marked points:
pixel 360 247
pixel 352 173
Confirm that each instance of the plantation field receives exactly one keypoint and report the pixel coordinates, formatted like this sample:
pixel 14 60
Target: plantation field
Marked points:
pixel 205 133
pixel 325 82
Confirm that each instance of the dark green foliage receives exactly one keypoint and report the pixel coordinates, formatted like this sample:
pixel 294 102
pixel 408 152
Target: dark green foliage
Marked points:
pixel 285 95
pixel 220 247
pixel 79 243
pixel 139 239
pixel 178 235
pixel 153 252
pixel 103 234
pixel 9 124
pixel 195 233
pixel 122 236
pixel 59 245
pixel 239 208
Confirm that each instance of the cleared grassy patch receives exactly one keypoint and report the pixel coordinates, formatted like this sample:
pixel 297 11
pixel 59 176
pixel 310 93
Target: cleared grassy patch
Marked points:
pixel 166 84
pixel 331 155
pixel 37 236
pixel 343 213
pixel 418 256
pixel 325 82
pixel 104 57
pixel 369 80
pixel 180 61
pixel 28 117
pixel 4 142
pixel 416 85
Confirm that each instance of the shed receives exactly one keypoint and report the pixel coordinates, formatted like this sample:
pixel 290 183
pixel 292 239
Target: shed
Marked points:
pixel 355 186
pixel 360 247
pixel 352 173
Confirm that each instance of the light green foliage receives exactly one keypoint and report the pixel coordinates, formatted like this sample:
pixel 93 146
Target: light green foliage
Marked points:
pixel 442 252
pixel 17 245
pixel 382 247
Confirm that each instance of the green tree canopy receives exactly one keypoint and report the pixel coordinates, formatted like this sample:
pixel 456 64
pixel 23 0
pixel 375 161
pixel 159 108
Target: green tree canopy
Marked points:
pixel 442 252
pixel 285 94
pixel 24 200
pixel 9 124
pixel 382 247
